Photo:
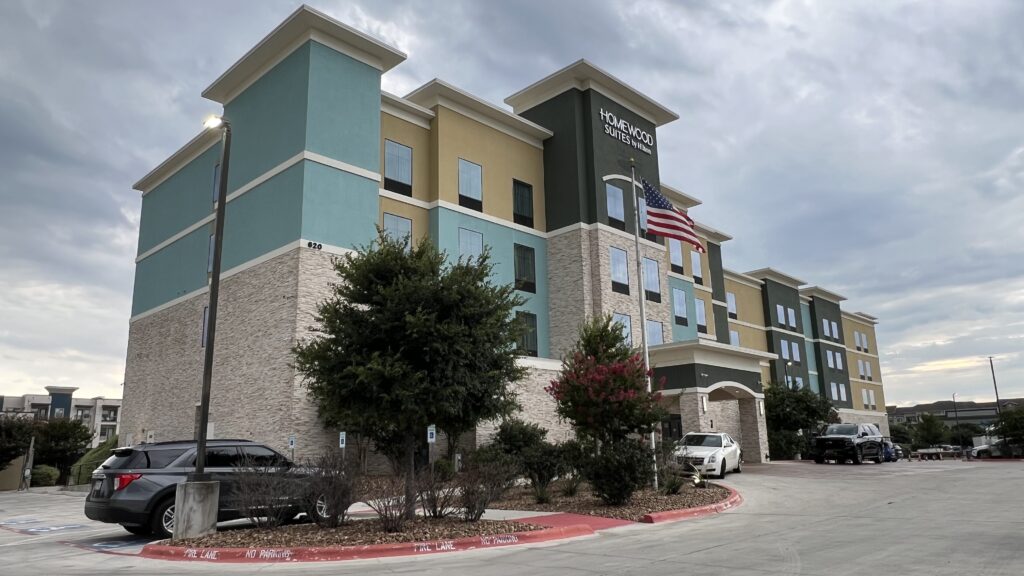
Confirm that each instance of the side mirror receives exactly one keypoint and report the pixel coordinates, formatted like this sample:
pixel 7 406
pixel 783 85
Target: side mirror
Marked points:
pixel 862 435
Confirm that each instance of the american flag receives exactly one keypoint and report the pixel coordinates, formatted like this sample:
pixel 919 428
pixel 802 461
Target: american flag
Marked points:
pixel 666 220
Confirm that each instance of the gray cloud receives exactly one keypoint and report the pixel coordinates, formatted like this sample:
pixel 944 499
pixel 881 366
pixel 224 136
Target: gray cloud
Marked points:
pixel 875 149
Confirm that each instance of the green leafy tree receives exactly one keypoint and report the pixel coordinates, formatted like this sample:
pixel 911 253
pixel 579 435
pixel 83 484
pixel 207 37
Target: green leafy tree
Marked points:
pixel 602 388
pixel 791 416
pixel 407 340
pixel 81 471
pixel 900 433
pixel 963 434
pixel 930 431
pixel 1010 426
pixel 15 436
pixel 60 441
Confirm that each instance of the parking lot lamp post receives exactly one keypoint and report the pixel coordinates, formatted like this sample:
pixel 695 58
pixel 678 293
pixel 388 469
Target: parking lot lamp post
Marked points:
pixel 197 500
pixel 786 367
pixel 959 430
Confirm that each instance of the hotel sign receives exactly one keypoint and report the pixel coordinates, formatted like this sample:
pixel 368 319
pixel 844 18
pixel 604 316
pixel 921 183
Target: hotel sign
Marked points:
pixel 626 133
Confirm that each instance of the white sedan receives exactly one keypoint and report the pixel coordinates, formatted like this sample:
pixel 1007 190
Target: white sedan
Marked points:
pixel 710 453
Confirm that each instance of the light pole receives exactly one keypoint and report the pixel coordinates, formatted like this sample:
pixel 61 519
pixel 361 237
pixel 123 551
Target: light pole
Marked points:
pixel 999 409
pixel 196 501
pixel 959 430
pixel 786 367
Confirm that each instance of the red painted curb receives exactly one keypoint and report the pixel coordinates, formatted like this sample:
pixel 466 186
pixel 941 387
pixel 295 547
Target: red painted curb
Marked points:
pixel 732 501
pixel 334 553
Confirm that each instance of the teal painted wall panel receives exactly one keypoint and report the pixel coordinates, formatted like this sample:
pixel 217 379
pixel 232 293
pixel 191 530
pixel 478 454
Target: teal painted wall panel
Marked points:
pixel 178 202
pixel 813 380
pixel 809 357
pixel 689 332
pixel 444 230
pixel 176 270
pixel 344 108
pixel 268 119
pixel 338 208
pixel 264 218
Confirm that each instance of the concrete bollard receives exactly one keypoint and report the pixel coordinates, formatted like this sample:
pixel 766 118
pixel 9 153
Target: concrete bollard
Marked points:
pixel 195 509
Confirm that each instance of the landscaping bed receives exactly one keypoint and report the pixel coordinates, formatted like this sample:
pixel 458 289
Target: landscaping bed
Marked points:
pixel 354 533
pixel 643 502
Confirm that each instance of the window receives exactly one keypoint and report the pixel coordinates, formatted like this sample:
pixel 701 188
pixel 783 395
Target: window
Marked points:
pixel 864 342
pixel 620 270
pixel 159 458
pixel 206 324
pixel 522 203
pixel 734 337
pixel 730 301
pixel 627 326
pixel 702 322
pixel 799 382
pixel 784 349
pixel 216 182
pixel 864 397
pixel 824 327
pixel 675 252
pixel 109 415
pixel 209 254
pixel 471 188
pixel 789 381
pixel 780 314
pixel 698 274
pixel 397 168
pixel 867 369
pixel 842 392
pixel 835 331
pixel 871 398
pixel 860 367
pixel 82 414
pixel 396 227
pixel 616 209
pixel 652 280
pixel 679 307
pixel 831 358
pixel 222 457
pixel 58 412
pixel 471 244
pixel 792 318
pixel 526 269
pixel 839 361
pixel 796 351
pixel 655 335
pixel 641 206
pixel 856 339
pixel 835 391
pixel 528 338
pixel 261 456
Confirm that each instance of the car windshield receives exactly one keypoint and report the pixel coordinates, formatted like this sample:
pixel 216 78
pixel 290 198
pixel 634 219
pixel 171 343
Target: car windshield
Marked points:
pixel 702 440
pixel 841 430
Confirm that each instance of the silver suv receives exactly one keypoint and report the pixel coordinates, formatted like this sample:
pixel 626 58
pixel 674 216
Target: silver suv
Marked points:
pixel 136 486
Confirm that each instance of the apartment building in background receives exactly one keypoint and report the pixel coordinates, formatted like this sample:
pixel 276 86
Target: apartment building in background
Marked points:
pixel 99 414
pixel 321 156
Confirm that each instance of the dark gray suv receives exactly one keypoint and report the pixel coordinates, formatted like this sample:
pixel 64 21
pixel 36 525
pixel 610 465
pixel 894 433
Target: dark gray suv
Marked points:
pixel 136 486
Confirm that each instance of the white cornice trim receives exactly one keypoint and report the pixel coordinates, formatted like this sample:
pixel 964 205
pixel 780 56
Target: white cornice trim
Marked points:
pixel 265 176
pixel 785 331
pixel 169 304
pixel 205 221
pixel 719 303
pixel 856 412
pixel 866 382
pixel 406 199
pixel 741 278
pixel 175 162
pixel 680 276
pixel 489 218
pixel 567 229
pixel 343 166
pixel 747 324
pixel 703 288
pixel 405 110
pixel 711 337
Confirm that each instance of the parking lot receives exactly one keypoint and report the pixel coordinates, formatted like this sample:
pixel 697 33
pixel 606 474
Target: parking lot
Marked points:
pixel 926 518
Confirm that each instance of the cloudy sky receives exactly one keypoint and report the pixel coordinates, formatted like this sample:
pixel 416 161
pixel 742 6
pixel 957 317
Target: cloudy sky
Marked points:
pixel 893 132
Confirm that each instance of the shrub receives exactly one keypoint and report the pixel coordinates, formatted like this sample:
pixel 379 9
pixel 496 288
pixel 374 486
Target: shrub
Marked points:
pixel 785 444
pixel 671 478
pixel 439 493
pixel 81 471
pixel 333 488
pixel 542 464
pixel 385 495
pixel 574 458
pixel 266 493
pixel 515 436
pixel 619 469
pixel 43 475
pixel 15 436
pixel 486 475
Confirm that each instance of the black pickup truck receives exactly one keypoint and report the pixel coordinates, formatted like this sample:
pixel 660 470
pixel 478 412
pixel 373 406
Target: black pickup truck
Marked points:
pixel 855 442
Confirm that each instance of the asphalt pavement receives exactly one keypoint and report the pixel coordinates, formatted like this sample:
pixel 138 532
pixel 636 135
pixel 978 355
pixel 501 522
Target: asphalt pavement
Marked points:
pixel 906 518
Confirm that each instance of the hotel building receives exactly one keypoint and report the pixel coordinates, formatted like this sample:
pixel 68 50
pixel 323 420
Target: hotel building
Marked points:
pixel 321 156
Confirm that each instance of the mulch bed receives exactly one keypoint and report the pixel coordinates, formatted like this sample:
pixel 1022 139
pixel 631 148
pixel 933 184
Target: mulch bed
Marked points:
pixel 643 502
pixel 354 533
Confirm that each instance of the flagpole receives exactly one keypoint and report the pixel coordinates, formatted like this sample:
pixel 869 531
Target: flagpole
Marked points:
pixel 643 308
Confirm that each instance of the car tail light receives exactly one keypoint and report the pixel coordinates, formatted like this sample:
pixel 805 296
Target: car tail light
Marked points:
pixel 122 481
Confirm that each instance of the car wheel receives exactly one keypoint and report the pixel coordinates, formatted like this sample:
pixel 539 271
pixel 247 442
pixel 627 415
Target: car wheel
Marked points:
pixel 162 519
pixel 739 465
pixel 819 460
pixel 878 458
pixel 138 530
pixel 857 457
pixel 725 466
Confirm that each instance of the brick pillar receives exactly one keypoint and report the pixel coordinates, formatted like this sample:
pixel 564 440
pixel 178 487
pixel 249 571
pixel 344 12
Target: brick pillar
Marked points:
pixel 755 430
pixel 691 410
